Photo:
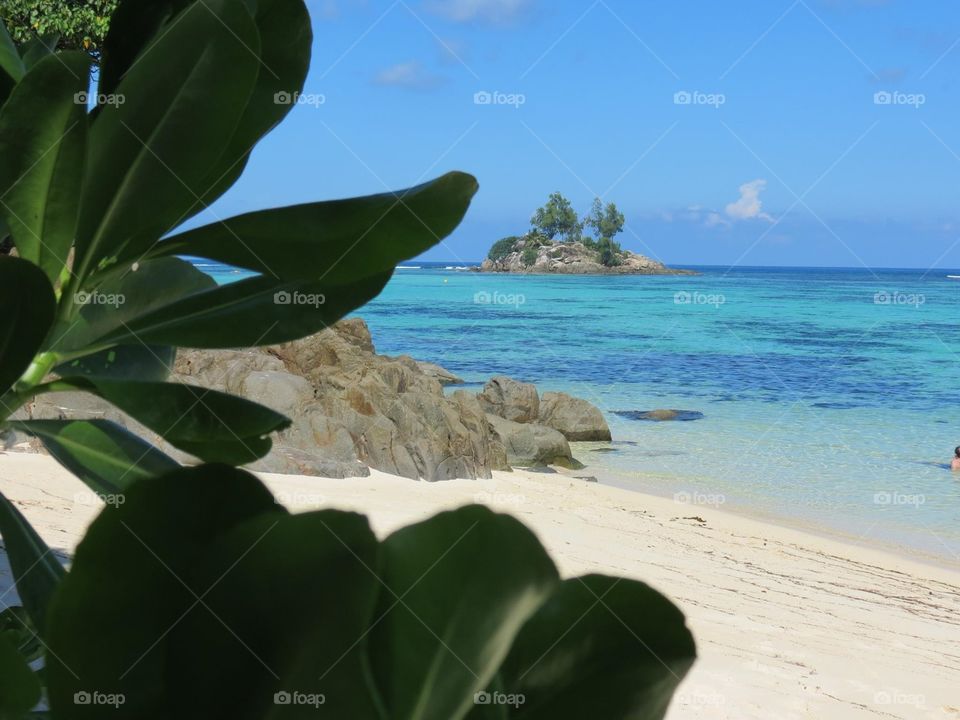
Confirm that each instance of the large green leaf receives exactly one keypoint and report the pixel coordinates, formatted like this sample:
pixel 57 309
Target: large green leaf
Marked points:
pixel 123 362
pixel 257 311
pixel 43 128
pixel 132 581
pixel 19 686
pixel 28 306
pixel 123 295
pixel 353 238
pixel 107 457
pixel 10 61
pixel 175 111
pixel 319 568
pixel 197 602
pixel 458 588
pixel 17 626
pixel 38 48
pixel 132 26
pixel 601 647
pixel 285 39
pixel 36 569
pixel 214 426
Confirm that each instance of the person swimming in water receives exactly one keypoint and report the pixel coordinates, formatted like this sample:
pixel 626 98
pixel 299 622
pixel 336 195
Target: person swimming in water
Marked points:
pixel 955 463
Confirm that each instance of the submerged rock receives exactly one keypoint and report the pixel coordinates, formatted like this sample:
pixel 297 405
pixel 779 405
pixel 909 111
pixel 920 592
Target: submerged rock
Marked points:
pixel 660 415
pixel 577 419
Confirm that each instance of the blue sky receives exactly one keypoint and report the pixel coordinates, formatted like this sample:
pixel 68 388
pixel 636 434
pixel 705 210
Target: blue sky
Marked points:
pixel 785 154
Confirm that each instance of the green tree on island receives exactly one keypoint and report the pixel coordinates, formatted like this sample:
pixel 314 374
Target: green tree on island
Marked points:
pixel 557 217
pixel 605 223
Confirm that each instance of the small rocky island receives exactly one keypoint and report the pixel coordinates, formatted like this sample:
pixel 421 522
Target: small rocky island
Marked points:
pixel 556 244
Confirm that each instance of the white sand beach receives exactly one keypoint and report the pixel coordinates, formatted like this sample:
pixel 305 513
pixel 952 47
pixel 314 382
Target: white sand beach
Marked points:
pixel 788 624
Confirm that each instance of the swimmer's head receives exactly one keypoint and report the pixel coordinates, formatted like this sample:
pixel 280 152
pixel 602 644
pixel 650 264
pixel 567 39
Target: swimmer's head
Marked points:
pixel 956 451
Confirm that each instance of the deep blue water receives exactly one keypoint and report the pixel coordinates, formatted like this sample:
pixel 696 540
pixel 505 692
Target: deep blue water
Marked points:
pixel 829 395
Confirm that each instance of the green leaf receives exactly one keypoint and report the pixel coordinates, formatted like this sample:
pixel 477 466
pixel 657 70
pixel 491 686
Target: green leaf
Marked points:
pixel 352 238
pixel 132 581
pixel 318 568
pixel 214 426
pixel 173 115
pixel 38 48
pixel 107 457
pixel 458 588
pixel 132 26
pixel 285 39
pixel 123 362
pixel 254 567
pixel 10 61
pixel 601 647
pixel 491 704
pixel 19 686
pixel 257 311
pixel 28 304
pixel 17 627
pixel 43 128
pixel 36 569
pixel 117 298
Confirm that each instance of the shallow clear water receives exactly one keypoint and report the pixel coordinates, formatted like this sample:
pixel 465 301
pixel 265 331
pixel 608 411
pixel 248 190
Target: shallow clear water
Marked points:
pixel 829 396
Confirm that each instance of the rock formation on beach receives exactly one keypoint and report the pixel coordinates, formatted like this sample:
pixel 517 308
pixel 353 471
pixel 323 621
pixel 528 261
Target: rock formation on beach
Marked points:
pixel 352 409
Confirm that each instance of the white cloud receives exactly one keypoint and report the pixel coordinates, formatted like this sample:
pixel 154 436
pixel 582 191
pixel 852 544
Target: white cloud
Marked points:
pixel 411 75
pixel 714 219
pixel 493 11
pixel 749 206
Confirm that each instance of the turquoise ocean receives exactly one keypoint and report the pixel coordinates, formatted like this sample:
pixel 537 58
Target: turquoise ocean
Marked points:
pixel 830 397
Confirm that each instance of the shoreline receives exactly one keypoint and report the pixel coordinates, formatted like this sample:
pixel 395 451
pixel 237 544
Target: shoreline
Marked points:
pixel 788 624
pixel 805 526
